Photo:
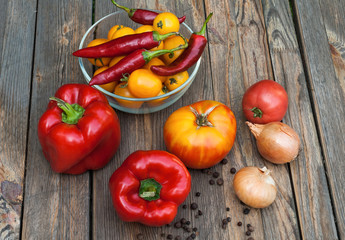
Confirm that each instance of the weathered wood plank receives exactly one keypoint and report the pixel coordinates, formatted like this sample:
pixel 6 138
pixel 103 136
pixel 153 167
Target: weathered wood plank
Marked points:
pixel 16 51
pixel 56 206
pixel 308 174
pixel 327 89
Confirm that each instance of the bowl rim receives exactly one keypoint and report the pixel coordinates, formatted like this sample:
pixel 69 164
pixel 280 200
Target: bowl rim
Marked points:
pixel 88 78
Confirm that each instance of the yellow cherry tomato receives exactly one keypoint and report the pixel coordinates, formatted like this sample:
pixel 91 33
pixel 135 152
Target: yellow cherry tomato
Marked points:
pixel 144 28
pixel 122 90
pixel 165 23
pixel 123 32
pixel 99 62
pixel 176 80
pixel 113 30
pixel 108 86
pixel 144 84
pixel 170 43
pixel 160 101
pixel 155 61
pixel 115 60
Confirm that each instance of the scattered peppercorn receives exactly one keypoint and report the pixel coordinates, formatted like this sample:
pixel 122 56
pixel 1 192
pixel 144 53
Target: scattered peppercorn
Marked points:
pixel 170 236
pixel 250 238
pixel 168 225
pixel 251 228
pixel 209 172
pixel 184 206
pixel 178 225
pixel 246 210
pixel 224 221
pixel 212 182
pixel 194 206
pixel 188 223
pixel 193 236
pixel 215 174
pixel 248 233
pixel 220 181
pixel 187 229
pixel 228 219
pixel 140 236
pixel 248 225
pixel 204 170
pixel 200 212
pixel 227 209
pixel 233 170
pixel 239 224
pixel 183 220
pixel 224 226
pixel 195 229
pixel 224 161
pixel 178 238
pixel 189 238
pixel 198 194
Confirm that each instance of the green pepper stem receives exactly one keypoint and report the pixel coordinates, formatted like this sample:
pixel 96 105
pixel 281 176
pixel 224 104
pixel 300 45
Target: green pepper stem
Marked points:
pixel 149 189
pixel 71 112
pixel 130 11
pixel 148 55
pixel 158 37
pixel 203 29
pixel 257 112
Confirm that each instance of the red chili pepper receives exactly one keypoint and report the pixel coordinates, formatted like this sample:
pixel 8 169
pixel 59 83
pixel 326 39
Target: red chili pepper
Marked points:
pixel 149 186
pixel 196 45
pixel 79 130
pixel 123 45
pixel 142 16
pixel 128 64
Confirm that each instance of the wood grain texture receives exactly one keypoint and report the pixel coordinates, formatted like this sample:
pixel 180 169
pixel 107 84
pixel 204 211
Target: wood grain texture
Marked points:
pixel 16 41
pixel 56 206
pixel 327 91
pixel 308 174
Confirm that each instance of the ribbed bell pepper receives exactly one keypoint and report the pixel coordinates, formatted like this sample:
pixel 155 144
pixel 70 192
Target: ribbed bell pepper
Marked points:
pixel 149 186
pixel 79 130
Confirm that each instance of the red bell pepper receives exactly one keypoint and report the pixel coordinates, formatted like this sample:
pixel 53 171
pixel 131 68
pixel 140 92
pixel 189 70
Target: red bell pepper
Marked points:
pixel 149 186
pixel 79 130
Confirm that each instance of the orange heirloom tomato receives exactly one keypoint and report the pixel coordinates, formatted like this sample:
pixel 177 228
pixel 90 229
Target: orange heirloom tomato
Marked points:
pixel 113 30
pixel 115 60
pixel 99 62
pixel 155 61
pixel 123 32
pixel 144 84
pixel 108 86
pixel 122 90
pixel 200 134
pixel 165 23
pixel 176 80
pixel 170 43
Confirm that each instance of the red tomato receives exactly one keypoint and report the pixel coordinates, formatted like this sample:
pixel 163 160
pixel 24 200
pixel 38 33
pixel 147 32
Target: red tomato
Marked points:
pixel 201 134
pixel 265 101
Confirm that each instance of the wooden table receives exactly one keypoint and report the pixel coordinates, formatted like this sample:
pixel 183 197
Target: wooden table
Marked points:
pixel 301 46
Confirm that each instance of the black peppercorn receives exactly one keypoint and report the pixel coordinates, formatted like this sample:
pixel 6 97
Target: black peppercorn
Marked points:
pixel 220 181
pixel 224 161
pixel 224 221
pixel 178 238
pixel 227 209
pixel 193 236
pixel 162 234
pixel 233 170
pixel 246 211
pixel 183 220
pixel 188 223
pixel 194 206
pixel 251 228
pixel 239 224
pixel 184 206
pixel 198 194
pixel 178 225
pixel 140 236
pixel 248 233
pixel 250 238
pixel 200 212
pixel 228 219
pixel 170 236
pixel 212 182
pixel 215 174
pixel 195 229
pixel 224 226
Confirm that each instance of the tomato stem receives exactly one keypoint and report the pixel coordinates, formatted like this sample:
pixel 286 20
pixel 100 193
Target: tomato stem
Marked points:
pixel 202 118
pixel 257 112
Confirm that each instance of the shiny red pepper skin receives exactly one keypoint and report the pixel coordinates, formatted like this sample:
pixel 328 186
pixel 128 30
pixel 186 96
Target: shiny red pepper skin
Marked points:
pixel 87 145
pixel 188 58
pixel 123 45
pixel 126 65
pixel 164 168
pixel 196 46
pixel 142 16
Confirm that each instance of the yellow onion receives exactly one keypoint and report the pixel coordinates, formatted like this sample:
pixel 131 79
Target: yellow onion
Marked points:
pixel 255 187
pixel 276 141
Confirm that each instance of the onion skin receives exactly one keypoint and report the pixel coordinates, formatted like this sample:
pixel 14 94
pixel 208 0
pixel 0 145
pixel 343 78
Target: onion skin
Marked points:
pixel 276 141
pixel 255 187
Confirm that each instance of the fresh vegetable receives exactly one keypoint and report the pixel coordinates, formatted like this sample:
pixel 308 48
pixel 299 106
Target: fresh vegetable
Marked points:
pixel 200 134
pixel 149 28
pixel 196 45
pixel 149 186
pixel 160 101
pixel 144 84
pixel 265 101
pixel 276 141
pixel 166 22
pixel 128 64
pixel 125 31
pixel 171 43
pixel 99 62
pixel 79 130
pixel 255 187
pixel 156 61
pixel 108 86
pixel 176 80
pixel 113 29
pixel 142 16
pixel 123 45
pixel 122 90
